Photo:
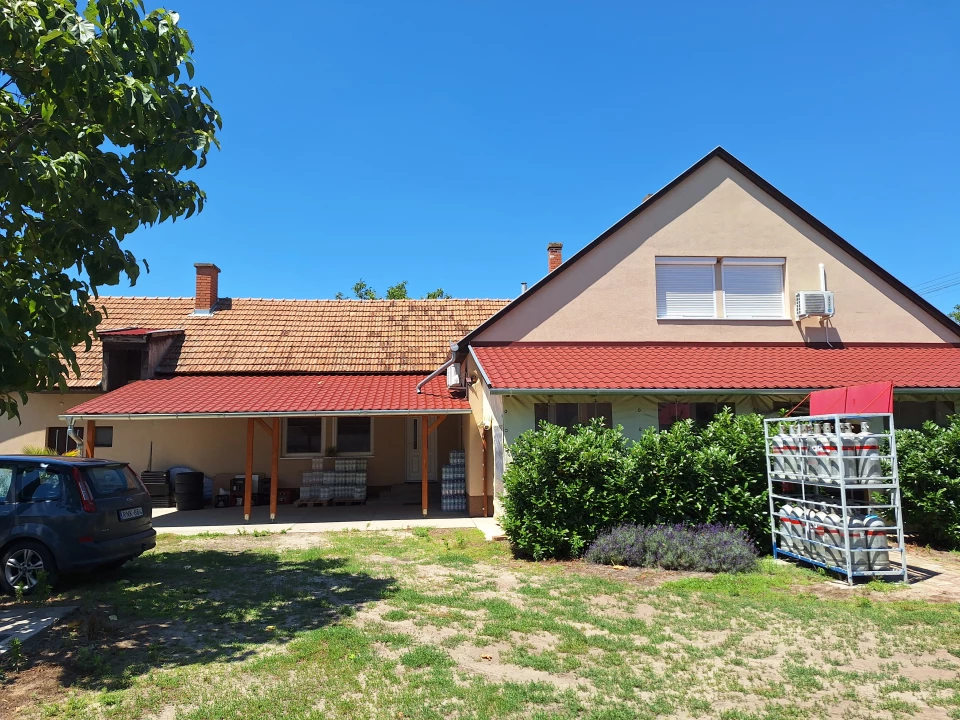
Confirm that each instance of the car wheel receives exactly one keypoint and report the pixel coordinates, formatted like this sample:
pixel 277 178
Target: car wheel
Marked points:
pixel 24 564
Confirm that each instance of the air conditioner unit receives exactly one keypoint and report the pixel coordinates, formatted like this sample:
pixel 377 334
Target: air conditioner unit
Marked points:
pixel 819 302
pixel 453 376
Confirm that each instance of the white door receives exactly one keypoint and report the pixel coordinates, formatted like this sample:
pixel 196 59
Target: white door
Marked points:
pixel 413 452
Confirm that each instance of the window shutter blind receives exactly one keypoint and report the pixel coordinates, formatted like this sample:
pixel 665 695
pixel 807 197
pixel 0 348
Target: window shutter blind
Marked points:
pixel 753 291
pixel 685 291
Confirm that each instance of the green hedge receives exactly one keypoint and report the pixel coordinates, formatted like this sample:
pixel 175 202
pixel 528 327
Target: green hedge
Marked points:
pixel 563 488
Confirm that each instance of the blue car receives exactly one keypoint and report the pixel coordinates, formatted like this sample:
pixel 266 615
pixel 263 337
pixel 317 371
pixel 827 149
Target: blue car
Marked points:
pixel 64 514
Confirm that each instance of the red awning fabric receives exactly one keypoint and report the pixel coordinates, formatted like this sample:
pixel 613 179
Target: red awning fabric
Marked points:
pixel 534 366
pixel 273 394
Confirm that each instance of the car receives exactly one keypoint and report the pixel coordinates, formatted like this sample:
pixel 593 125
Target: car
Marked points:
pixel 68 514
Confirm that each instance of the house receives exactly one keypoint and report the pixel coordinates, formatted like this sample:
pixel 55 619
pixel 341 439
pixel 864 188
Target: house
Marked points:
pixel 686 305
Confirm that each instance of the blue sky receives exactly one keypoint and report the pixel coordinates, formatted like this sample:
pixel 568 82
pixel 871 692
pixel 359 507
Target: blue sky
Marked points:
pixel 446 143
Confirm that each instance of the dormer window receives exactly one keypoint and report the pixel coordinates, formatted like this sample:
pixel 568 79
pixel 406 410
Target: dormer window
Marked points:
pixel 123 366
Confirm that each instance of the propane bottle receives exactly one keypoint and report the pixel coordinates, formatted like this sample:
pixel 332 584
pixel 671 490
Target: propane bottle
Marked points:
pixel 800 543
pixel 785 541
pixel 859 558
pixel 876 542
pixel 791 448
pixel 776 453
pixel 831 447
pixel 834 538
pixel 818 535
pixel 869 455
pixel 849 452
pixel 817 466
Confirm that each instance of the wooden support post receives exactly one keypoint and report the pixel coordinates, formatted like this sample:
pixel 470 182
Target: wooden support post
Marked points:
pixel 248 483
pixel 424 461
pixel 274 469
pixel 263 423
pixel 435 423
pixel 89 438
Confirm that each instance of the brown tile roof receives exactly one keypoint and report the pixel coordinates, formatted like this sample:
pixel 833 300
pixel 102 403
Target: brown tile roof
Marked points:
pixel 295 336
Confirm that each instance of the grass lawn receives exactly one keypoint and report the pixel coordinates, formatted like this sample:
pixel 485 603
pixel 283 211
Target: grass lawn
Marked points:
pixel 441 624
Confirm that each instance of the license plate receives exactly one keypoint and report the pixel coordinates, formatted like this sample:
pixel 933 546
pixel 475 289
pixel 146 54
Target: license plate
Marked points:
pixel 131 513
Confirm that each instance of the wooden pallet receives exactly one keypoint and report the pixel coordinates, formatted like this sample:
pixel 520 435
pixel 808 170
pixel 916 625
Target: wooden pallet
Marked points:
pixel 301 502
pixel 347 501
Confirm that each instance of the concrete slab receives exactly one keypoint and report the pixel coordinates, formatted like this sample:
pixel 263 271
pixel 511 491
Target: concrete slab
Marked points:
pixel 24 624
pixel 371 516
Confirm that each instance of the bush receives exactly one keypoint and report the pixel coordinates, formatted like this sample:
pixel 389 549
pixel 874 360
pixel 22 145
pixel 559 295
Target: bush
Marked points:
pixel 714 475
pixel 563 487
pixel 706 548
pixel 929 461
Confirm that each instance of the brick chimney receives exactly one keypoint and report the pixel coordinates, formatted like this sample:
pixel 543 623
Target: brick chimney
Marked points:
pixel 205 299
pixel 554 256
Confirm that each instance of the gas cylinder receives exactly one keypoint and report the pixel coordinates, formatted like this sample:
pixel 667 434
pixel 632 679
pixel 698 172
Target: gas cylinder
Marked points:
pixel 834 539
pixel 817 467
pixel 776 453
pixel 876 542
pixel 791 448
pixel 869 455
pixel 831 446
pixel 818 535
pixel 800 544
pixel 849 452
pixel 786 539
pixel 859 558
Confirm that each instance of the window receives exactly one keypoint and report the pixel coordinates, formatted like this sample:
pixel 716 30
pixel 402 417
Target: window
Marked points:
pixel 354 436
pixel 123 366
pixel 38 484
pixel 110 480
pixel 686 288
pixel 103 436
pixel 700 412
pixel 909 414
pixel 304 436
pixel 58 440
pixel 753 288
pixel 570 414
pixel 6 485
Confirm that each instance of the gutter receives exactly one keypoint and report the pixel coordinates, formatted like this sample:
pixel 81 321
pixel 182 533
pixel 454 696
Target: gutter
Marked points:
pixel 698 391
pixel 70 418
pixel 439 370
pixel 483 373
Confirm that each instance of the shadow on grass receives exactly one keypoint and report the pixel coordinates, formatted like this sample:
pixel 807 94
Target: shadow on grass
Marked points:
pixel 176 608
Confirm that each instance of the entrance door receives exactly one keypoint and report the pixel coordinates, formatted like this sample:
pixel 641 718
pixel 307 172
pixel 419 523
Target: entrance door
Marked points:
pixel 413 452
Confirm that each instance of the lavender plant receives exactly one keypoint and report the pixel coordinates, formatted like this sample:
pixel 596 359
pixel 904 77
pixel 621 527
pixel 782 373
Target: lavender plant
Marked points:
pixel 704 548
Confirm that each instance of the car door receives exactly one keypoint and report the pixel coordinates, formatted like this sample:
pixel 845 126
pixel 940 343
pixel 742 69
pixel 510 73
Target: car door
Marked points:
pixel 8 472
pixel 43 502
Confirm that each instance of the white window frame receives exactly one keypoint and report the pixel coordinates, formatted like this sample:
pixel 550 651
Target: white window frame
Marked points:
pixel 323 435
pixel 712 261
pixel 333 436
pixel 737 261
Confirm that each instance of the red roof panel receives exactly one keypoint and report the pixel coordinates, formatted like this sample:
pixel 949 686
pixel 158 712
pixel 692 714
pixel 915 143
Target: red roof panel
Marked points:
pixel 214 394
pixel 683 366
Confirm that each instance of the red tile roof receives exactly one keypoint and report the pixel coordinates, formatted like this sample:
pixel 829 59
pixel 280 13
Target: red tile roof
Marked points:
pixel 215 394
pixel 684 366
pixel 293 336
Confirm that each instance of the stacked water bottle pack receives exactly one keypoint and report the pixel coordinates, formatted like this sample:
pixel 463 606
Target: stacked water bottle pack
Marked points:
pixel 453 483
pixel 347 481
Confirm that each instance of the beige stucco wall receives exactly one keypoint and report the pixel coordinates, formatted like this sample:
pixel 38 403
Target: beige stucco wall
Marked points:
pixel 486 410
pixel 610 293
pixel 39 413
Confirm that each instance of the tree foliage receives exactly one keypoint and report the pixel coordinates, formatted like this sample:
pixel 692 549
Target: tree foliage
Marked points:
pixel 96 130
pixel 362 291
pixel 955 313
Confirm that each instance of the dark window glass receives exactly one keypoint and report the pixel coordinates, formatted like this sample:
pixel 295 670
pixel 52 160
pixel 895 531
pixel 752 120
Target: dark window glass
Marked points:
pixel 104 436
pixel 567 414
pixel 589 411
pixel 111 480
pixel 6 484
pixel 354 435
pixel 701 412
pixel 57 439
pixel 540 414
pixel 123 367
pixel 305 436
pixel 704 412
pixel 670 413
pixel 39 483
pixel 910 414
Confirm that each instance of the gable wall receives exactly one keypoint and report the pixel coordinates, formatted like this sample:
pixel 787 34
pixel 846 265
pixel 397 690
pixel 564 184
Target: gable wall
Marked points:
pixel 610 293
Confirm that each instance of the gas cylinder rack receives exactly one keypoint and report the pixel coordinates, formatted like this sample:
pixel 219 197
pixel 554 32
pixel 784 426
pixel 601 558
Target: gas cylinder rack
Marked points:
pixel 834 493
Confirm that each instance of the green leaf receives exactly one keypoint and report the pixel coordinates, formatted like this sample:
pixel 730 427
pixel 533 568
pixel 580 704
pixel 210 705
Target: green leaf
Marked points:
pixel 52 35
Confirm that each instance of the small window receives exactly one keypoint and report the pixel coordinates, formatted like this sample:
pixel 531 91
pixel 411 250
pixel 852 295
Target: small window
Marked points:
pixel 40 484
pixel 104 436
pixel 354 436
pixel 304 436
pixel 753 288
pixel 700 412
pixel 58 440
pixel 686 288
pixel 569 415
pixel 910 414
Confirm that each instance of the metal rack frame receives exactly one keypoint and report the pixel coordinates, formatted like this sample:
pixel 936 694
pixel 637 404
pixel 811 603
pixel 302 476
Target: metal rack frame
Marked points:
pixel 841 482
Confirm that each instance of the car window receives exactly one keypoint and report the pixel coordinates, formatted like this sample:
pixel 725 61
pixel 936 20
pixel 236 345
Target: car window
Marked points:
pixel 39 484
pixel 110 480
pixel 6 484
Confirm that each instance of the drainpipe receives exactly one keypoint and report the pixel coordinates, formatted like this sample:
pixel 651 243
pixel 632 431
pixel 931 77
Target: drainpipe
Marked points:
pixel 442 369
pixel 73 436
pixel 483 465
